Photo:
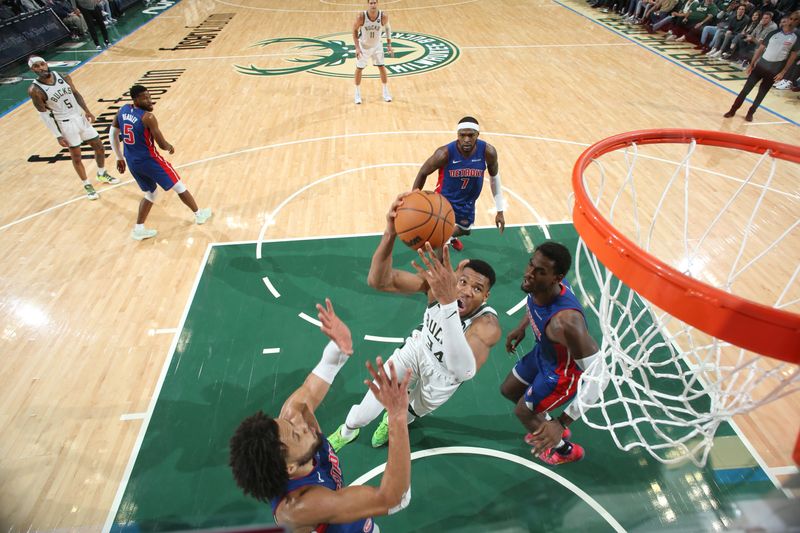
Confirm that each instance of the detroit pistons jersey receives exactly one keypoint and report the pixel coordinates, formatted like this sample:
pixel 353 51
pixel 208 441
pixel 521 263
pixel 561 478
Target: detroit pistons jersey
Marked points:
pixel 553 354
pixel 461 179
pixel 60 100
pixel 326 473
pixel 136 137
pixel 369 35
pixel 431 328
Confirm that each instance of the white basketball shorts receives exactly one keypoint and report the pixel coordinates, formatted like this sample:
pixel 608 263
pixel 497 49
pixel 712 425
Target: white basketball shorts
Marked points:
pixel 76 129
pixel 431 385
pixel 375 53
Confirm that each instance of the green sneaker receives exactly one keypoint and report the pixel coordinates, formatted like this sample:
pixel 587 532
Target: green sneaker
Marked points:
pixel 381 435
pixel 90 192
pixel 105 177
pixel 338 442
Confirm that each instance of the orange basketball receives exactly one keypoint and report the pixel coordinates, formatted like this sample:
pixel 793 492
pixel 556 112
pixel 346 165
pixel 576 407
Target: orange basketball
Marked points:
pixel 424 216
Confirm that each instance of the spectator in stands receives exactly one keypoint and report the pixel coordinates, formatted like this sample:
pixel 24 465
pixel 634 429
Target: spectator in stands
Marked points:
pixel 749 44
pixel 770 63
pixel 31 5
pixel 665 17
pixel 730 50
pixel 732 25
pixel 70 16
pixel 688 25
pixel 94 19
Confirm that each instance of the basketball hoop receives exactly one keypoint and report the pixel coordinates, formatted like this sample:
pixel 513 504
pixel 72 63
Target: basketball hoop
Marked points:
pixel 683 353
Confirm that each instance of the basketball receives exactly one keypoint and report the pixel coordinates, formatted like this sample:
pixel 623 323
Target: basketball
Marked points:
pixel 424 216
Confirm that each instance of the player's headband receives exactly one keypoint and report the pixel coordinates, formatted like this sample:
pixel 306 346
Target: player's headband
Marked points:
pixel 468 126
pixel 35 59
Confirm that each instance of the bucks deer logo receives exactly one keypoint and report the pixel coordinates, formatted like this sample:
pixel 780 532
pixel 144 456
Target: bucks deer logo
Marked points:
pixel 335 55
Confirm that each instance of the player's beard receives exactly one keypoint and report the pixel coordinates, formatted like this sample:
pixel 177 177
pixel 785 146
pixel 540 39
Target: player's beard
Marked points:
pixel 314 449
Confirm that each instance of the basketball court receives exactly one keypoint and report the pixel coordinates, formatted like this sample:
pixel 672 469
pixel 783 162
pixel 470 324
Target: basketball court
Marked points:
pixel 129 363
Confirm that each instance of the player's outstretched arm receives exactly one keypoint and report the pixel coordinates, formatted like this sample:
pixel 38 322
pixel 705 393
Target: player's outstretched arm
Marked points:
pixel 436 161
pixel 150 121
pixel 320 505
pixel 382 275
pixel 307 398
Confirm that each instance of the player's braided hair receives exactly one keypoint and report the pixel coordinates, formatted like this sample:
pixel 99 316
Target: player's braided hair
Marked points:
pixel 557 253
pixel 258 458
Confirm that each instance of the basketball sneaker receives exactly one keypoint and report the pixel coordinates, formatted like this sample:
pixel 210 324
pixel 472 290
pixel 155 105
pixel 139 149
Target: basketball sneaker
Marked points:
pixel 456 244
pixel 90 192
pixel 338 442
pixel 105 177
pixel 202 215
pixel 357 98
pixel 142 234
pixel 381 435
pixel 564 436
pixel 553 457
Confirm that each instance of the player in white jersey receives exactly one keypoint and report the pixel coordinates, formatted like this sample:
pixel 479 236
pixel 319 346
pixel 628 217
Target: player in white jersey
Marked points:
pixel 64 112
pixel 367 36
pixel 451 344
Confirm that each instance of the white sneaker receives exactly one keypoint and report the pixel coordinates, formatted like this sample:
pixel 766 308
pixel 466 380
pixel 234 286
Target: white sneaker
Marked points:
pixel 90 192
pixel 714 53
pixel 782 85
pixel 386 96
pixel 202 215
pixel 670 36
pixel 142 234
pixel 680 39
pixel 357 98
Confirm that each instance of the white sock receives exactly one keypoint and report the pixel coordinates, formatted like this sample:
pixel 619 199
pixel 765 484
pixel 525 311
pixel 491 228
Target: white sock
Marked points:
pixel 138 227
pixel 85 182
pixel 347 432
pixel 362 414
pixel 101 171
pixel 358 90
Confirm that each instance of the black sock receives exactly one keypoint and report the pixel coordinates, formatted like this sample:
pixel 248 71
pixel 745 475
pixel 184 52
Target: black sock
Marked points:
pixel 565 449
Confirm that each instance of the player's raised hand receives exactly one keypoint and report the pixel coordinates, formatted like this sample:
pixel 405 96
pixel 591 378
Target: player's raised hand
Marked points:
pixel 334 328
pixel 388 389
pixel 439 274
pixel 392 214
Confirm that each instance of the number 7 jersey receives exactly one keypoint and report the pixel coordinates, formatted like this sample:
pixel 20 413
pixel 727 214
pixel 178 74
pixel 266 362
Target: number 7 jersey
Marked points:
pixel 461 180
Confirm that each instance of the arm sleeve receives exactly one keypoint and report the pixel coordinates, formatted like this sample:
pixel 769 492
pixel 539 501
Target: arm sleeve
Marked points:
pixel 48 120
pixel 458 356
pixel 113 136
pixel 497 192
pixel 333 359
pixel 593 382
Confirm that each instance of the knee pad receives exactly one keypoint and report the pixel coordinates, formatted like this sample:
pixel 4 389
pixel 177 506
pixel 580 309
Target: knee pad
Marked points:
pixel 179 187
pixel 151 196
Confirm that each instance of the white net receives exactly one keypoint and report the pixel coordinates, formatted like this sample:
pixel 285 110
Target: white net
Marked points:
pixel 670 385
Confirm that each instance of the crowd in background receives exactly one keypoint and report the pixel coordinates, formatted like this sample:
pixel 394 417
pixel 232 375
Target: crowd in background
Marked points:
pixel 83 18
pixel 729 30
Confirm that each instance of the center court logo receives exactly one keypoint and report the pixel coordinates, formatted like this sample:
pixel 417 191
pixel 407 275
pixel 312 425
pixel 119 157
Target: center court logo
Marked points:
pixel 335 55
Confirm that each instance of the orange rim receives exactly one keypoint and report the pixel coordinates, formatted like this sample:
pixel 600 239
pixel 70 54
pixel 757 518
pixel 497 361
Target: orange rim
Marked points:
pixel 744 323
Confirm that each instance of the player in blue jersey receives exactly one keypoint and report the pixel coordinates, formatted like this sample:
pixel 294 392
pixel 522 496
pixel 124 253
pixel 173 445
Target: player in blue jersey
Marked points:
pixel 547 377
pixel 462 165
pixel 140 134
pixel 287 462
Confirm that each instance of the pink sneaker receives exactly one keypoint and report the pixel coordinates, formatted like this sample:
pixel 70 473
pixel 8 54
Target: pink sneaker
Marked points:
pixel 552 457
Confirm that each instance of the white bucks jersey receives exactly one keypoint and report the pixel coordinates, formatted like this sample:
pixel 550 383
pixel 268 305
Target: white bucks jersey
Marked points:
pixel 370 33
pixel 60 100
pixel 432 328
